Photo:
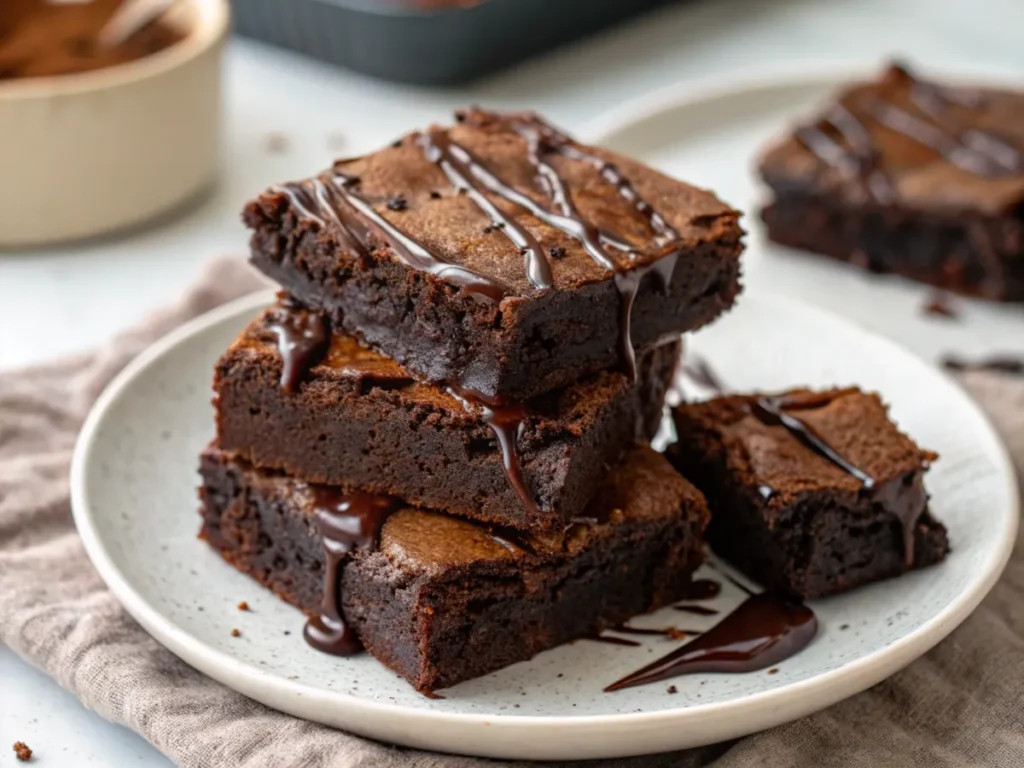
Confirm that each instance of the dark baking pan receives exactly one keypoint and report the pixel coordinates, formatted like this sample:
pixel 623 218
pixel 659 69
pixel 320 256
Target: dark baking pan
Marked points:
pixel 414 43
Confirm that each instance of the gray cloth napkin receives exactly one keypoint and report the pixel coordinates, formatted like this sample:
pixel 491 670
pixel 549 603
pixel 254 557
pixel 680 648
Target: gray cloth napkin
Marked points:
pixel 961 705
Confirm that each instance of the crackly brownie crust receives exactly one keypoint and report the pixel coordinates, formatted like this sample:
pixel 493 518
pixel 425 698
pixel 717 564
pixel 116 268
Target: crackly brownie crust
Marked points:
pixel 360 421
pixel 534 339
pixel 939 198
pixel 790 518
pixel 441 601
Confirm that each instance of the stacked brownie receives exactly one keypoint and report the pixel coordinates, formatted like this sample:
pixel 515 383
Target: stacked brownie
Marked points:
pixel 436 442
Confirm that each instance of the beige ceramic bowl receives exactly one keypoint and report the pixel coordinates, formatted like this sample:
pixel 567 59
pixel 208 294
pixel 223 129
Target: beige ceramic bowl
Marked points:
pixel 85 154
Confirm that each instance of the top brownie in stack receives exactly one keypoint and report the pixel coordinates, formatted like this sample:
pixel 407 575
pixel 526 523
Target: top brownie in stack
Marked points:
pixel 499 256
pixel 909 176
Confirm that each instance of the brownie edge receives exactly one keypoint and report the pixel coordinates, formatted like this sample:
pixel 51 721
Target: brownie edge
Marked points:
pixel 792 519
pixel 360 421
pixel 442 600
pixel 430 271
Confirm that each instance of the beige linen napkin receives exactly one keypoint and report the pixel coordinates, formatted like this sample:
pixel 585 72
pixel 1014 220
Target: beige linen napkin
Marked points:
pixel 961 705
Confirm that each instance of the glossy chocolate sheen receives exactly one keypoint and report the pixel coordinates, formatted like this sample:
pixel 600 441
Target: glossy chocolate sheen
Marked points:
pixel 904 140
pixel 358 419
pixel 497 246
pixel 814 492
pixel 440 599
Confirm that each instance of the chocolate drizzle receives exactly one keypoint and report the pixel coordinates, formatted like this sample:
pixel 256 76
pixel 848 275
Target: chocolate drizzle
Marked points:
pixel 697 610
pixel 772 412
pixel 842 139
pixel 1008 365
pixel 347 522
pixel 506 420
pixel 761 632
pixel 302 338
pixel 903 496
pixel 703 589
pixel 612 640
pixel 462 170
pixel 465 171
pixel 336 200
pixel 700 372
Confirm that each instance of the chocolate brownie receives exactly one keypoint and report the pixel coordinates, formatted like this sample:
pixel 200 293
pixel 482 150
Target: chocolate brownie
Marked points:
pixel 499 255
pixel 440 599
pixel 359 420
pixel 812 493
pixel 909 176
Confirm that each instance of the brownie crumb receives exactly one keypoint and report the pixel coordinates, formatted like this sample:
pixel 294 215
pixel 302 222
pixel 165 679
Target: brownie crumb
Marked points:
pixel 557 252
pixel 396 143
pixel 435 195
pixel 243 606
pixel 22 751
pixel 773 670
pixel 276 143
pixel 397 203
pixel 236 633
pixel 287 631
pixel 488 230
pixel 940 305
pixel 673 689
pixel 844 626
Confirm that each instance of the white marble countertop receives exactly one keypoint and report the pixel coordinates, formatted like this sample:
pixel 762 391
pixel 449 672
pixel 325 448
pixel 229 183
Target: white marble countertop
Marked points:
pixel 69 299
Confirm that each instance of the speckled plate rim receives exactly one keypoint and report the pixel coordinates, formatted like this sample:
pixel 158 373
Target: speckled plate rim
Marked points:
pixel 510 736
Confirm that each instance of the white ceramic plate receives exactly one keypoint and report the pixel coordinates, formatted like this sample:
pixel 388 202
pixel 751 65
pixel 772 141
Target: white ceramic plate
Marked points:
pixel 133 491
pixel 711 133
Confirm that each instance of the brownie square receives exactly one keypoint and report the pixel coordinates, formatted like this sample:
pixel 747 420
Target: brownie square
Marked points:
pixel 359 420
pixel 908 176
pixel 811 493
pixel 441 599
pixel 499 255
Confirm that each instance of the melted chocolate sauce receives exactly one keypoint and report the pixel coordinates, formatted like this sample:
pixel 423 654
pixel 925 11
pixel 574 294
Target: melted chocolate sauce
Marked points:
pixel 506 421
pixel 625 629
pixel 772 411
pixel 703 589
pixel 347 522
pixel 1008 365
pixel 735 582
pixel 611 640
pixel 976 151
pixel 461 168
pixel 700 372
pixel 336 200
pixel 468 172
pixel 906 498
pixel 302 339
pixel 903 496
pixel 697 610
pixel 761 632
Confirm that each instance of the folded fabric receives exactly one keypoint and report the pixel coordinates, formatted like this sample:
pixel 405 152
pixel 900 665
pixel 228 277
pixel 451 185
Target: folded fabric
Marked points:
pixel 960 705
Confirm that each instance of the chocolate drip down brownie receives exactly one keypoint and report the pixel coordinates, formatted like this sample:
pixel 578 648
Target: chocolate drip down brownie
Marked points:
pixel 499 256
pixel 909 176
pixel 360 421
pixel 439 599
pixel 436 442
pixel 811 493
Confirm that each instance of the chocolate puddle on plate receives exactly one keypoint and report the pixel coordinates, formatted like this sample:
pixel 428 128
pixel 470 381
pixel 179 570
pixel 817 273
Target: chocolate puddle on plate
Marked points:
pixel 761 632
